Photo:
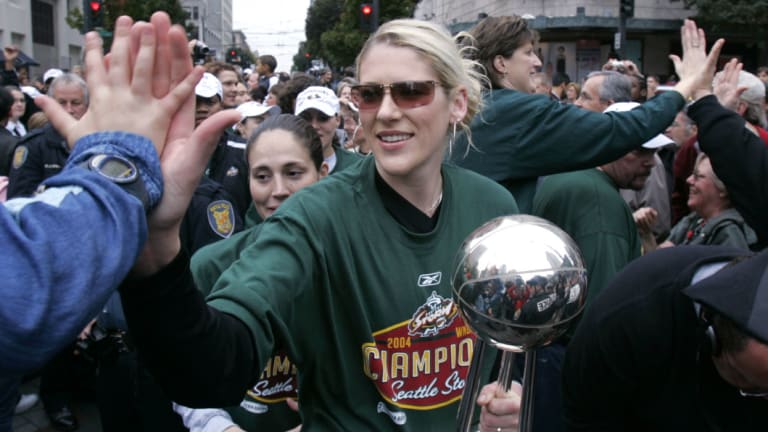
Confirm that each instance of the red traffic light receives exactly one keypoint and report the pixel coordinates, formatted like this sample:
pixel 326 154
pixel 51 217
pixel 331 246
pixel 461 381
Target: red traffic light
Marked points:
pixel 366 9
pixel 95 5
pixel 307 55
pixel 233 53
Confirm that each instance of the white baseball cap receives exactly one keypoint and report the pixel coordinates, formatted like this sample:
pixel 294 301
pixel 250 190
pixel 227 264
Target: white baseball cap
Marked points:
pixel 659 140
pixel 52 74
pixel 322 99
pixel 255 109
pixel 209 86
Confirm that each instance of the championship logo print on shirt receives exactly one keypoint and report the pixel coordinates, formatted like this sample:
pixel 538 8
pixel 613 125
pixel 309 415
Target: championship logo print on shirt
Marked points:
pixel 422 363
pixel 221 218
pixel 278 382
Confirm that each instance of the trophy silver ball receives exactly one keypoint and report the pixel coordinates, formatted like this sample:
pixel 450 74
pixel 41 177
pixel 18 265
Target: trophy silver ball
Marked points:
pixel 519 282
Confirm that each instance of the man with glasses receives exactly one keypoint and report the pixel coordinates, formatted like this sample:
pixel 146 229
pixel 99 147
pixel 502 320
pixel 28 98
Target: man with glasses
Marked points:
pixel 678 341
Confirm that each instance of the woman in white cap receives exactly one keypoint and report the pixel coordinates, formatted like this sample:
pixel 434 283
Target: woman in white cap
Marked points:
pixel 320 107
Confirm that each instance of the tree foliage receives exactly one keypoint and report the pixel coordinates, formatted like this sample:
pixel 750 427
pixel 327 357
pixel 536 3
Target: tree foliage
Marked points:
pixel 143 10
pixel 333 28
pixel 136 9
pixel 302 59
pixel 731 15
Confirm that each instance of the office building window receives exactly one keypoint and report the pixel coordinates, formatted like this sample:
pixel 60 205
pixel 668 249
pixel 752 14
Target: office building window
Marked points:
pixel 42 23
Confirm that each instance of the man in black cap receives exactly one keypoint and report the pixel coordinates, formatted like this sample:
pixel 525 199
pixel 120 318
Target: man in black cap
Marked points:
pixel 678 341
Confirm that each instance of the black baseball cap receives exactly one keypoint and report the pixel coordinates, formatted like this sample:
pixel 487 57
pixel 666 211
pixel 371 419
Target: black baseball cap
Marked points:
pixel 740 293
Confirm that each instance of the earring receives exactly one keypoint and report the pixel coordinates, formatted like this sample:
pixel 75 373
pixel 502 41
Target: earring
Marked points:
pixel 452 140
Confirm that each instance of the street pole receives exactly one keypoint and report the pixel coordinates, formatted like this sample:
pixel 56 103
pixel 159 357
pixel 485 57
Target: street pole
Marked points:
pixel 375 16
pixel 622 40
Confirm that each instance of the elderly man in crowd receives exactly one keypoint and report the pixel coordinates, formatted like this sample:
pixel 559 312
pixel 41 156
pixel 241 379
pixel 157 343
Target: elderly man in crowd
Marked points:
pixel 43 152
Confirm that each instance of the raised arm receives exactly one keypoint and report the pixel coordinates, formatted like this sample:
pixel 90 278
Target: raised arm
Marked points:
pixel 738 156
pixel 84 216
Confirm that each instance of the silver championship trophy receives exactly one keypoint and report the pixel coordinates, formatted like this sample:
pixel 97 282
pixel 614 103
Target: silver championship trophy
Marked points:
pixel 519 282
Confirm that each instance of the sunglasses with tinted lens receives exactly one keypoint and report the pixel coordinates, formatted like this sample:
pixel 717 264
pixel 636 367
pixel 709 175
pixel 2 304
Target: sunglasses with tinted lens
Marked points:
pixel 406 94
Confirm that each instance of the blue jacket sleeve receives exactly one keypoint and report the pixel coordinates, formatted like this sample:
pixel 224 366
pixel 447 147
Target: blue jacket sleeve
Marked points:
pixel 67 249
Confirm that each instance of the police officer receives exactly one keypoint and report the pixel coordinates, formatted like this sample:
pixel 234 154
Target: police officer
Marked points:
pixel 227 165
pixel 43 152
pixel 211 216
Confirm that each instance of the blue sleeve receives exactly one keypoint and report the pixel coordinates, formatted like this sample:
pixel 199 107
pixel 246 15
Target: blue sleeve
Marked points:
pixel 67 249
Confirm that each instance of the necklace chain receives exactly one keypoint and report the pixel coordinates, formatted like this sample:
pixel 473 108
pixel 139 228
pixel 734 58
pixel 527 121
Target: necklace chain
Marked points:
pixel 437 202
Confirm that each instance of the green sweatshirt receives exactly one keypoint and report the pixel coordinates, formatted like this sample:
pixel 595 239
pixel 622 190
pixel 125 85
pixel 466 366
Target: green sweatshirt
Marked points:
pixel 365 310
pixel 519 137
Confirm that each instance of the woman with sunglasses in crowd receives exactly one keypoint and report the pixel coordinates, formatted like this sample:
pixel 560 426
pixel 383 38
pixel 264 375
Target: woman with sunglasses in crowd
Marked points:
pixel 363 309
pixel 519 136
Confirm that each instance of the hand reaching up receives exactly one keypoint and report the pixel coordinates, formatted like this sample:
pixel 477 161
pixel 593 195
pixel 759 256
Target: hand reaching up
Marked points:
pixel 121 97
pixel 726 86
pixel 696 68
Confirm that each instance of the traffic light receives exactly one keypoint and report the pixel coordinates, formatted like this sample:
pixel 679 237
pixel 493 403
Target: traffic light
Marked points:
pixel 366 18
pixel 627 8
pixel 233 56
pixel 94 14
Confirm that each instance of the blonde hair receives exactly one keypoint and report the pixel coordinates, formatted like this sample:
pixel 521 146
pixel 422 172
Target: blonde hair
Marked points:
pixel 437 45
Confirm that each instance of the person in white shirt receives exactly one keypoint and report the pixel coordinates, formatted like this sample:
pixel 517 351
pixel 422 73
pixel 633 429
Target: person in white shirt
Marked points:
pixel 14 125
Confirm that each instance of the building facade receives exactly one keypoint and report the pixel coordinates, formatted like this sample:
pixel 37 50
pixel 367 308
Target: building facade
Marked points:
pixel 578 36
pixel 213 20
pixel 40 30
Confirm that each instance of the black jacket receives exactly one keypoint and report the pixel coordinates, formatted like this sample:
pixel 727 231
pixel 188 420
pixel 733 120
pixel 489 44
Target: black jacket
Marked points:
pixel 229 168
pixel 7 144
pixel 211 216
pixel 639 360
pixel 42 153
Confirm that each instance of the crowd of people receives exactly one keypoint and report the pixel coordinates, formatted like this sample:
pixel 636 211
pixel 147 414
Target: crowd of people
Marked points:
pixel 223 250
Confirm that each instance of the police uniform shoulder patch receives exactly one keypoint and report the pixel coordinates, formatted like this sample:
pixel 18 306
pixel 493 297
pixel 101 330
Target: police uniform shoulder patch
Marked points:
pixel 221 217
pixel 232 171
pixel 20 156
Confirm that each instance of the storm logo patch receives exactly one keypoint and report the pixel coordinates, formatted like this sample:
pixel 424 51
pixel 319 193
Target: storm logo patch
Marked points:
pixel 221 218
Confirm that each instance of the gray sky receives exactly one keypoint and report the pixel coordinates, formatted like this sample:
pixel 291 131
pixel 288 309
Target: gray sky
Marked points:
pixel 272 27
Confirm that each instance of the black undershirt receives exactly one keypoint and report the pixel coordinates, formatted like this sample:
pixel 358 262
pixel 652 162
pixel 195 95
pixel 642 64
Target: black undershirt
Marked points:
pixel 405 213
